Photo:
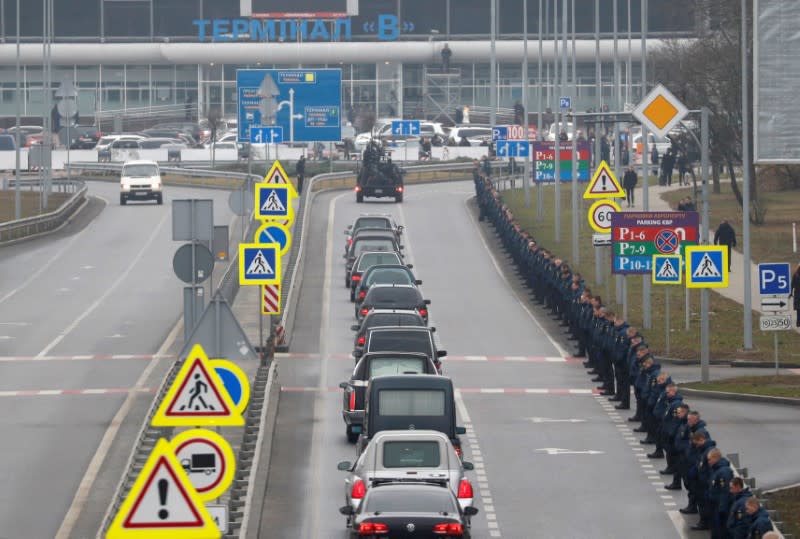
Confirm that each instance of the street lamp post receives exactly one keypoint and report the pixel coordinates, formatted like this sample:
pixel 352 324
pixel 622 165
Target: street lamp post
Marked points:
pixel 748 307
pixel 18 97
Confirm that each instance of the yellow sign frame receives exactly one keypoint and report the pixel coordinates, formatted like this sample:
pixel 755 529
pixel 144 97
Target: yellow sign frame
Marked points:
pixel 277 224
pixel 289 202
pixel 590 194
pixel 597 226
pixel 690 283
pixel 277 171
pixel 678 259
pixel 243 280
pixel 227 454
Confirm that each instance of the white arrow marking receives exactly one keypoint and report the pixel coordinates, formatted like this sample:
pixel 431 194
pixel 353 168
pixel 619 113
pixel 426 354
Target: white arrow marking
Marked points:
pixel 548 420
pixel 5 337
pixel 88 267
pixel 557 451
pixel 116 336
pixel 18 324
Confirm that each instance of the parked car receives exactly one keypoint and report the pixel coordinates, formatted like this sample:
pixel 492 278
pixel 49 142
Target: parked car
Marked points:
pixel 369 366
pixel 475 135
pixel 104 143
pixel 157 142
pixel 393 296
pixel 411 456
pixel 28 134
pixel 8 143
pixel 427 509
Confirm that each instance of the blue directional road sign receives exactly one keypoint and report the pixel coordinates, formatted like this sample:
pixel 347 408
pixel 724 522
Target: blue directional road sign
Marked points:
pixel 405 127
pixel 565 103
pixel 306 103
pixel 513 148
pixel 259 263
pixel 774 279
pixel 499 132
pixel 706 266
pixel 266 135
pixel 273 201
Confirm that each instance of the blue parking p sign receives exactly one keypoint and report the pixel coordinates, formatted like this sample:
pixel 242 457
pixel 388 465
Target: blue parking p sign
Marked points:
pixel 774 279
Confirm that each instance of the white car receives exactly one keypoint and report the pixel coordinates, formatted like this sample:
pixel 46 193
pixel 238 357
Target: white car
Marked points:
pixel 140 180
pixel 475 135
pixel 407 455
pixel 570 129
pixel 105 142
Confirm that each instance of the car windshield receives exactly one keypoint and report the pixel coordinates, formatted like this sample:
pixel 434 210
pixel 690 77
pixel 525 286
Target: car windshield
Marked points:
pixel 391 295
pixel 140 171
pixel 394 319
pixel 428 499
pixel 106 140
pixel 411 454
pixel 372 222
pixel 411 402
pixel 401 341
pixel 388 276
pixel 379 366
pixel 372 245
pixel 371 259
pixel 7 142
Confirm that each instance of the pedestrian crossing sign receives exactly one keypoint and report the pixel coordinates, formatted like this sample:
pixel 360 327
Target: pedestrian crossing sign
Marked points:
pixel 273 201
pixel 604 184
pixel 197 397
pixel 706 266
pixel 259 263
pixel 667 269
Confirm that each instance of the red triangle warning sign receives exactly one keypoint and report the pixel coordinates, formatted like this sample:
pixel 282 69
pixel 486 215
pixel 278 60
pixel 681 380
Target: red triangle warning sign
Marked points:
pixel 603 184
pixel 197 397
pixel 162 503
pixel 277 174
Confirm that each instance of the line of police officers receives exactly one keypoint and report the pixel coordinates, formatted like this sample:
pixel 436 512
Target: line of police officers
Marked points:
pixel 620 359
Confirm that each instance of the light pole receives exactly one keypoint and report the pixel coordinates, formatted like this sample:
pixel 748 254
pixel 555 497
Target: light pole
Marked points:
pixel 527 170
pixel 556 138
pixel 647 319
pixel 539 203
pixel 493 66
pixel 748 308
pixel 18 96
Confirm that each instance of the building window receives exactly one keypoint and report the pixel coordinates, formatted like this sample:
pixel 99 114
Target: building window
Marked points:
pixel 174 17
pixel 76 18
pixel 126 18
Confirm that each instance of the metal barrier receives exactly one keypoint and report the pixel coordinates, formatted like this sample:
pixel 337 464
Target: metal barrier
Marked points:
pixel 46 222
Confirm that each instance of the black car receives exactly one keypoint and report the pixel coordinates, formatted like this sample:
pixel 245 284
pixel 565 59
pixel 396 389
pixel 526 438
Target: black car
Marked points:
pixel 380 221
pixel 403 339
pixel 369 366
pixel 393 296
pixel 418 510
pixel 366 260
pixel 384 274
pixel 81 137
pixel 385 318
pixel 373 242
pixel 410 402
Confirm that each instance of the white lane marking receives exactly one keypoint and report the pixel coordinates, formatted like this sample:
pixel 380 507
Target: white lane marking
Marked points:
pixel 87 483
pixel 320 425
pixel 496 264
pixel 70 328
pixel 679 523
pixel 15 324
pixel 51 259
pixel 483 484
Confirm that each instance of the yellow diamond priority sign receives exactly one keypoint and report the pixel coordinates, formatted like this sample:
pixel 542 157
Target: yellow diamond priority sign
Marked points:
pixel 660 111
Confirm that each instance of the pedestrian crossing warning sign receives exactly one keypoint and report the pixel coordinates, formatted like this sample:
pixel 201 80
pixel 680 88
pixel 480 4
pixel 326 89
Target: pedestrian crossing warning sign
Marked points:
pixel 162 503
pixel 707 266
pixel 273 201
pixel 603 184
pixel 197 397
pixel 259 263
pixel 277 175
pixel 666 269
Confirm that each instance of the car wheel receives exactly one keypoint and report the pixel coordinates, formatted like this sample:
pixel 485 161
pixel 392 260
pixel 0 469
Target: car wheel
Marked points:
pixel 352 437
pixel 122 200
pixel 398 198
pixel 159 200
pixel 347 282
pixel 359 198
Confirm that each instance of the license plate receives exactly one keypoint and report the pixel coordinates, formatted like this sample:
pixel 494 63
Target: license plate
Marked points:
pixel 378 191
pixel 139 193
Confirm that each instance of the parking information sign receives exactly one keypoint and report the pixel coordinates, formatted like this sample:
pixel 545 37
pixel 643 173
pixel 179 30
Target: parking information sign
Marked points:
pixel 543 155
pixel 637 236
pixel 306 103
pixel 774 279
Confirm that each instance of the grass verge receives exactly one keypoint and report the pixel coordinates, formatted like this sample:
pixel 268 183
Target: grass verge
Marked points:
pixel 787 503
pixel 30 204
pixel 725 315
pixel 770 386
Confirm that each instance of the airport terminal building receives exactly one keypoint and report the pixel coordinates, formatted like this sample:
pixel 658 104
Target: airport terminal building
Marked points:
pixel 139 54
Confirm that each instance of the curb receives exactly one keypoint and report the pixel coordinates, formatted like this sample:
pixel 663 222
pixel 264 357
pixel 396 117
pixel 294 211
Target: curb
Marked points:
pixel 733 363
pixel 722 395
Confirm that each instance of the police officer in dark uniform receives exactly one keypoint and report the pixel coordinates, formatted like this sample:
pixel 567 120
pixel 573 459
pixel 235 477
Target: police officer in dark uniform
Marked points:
pixel 738 519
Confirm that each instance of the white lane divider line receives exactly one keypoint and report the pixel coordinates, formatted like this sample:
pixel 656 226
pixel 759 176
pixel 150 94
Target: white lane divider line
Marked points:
pixel 483 482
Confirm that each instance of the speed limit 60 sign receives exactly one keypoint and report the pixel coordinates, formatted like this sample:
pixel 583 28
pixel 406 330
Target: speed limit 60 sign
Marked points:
pixel 775 323
pixel 600 215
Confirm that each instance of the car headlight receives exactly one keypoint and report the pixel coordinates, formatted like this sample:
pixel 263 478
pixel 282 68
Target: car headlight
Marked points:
pixel 125 187
pixel 156 186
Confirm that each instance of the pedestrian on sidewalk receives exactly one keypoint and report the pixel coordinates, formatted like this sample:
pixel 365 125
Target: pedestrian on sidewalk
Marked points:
pixel 796 294
pixel 725 235
pixel 629 181
pixel 300 171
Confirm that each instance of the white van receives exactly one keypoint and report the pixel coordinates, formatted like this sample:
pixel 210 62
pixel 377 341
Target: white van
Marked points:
pixel 140 180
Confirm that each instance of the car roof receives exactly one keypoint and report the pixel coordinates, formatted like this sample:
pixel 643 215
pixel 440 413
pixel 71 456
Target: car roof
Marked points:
pixel 401 328
pixel 422 434
pixel 392 285
pixel 411 381
pixel 393 311
pixel 140 162
pixel 391 353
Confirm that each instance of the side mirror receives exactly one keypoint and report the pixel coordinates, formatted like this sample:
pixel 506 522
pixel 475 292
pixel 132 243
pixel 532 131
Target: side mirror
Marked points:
pixel 354 327
pixel 402 247
pixel 345 466
pixel 357 354
pixel 410 266
pixel 433 329
pixel 469 510
pixel 466 465
pixel 418 282
pixel 426 301
pixel 401 228
pixel 461 430
pixel 348 511
pixel 343 385
pixel 441 353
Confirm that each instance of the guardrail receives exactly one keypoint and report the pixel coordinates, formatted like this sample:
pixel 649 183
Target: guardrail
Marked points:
pixel 46 222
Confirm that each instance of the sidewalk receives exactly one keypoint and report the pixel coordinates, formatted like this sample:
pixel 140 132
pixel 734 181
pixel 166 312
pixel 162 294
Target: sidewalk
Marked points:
pixel 735 290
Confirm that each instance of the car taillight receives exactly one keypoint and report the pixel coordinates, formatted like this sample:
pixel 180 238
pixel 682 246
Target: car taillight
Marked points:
pixel 349 240
pixel 362 294
pixel 423 312
pixel 359 489
pixel 364 311
pixel 358 188
pixel 353 407
pixel 355 278
pixel 464 489
pixel 399 188
pixel 449 529
pixel 362 340
pixel 459 452
pixel 372 528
